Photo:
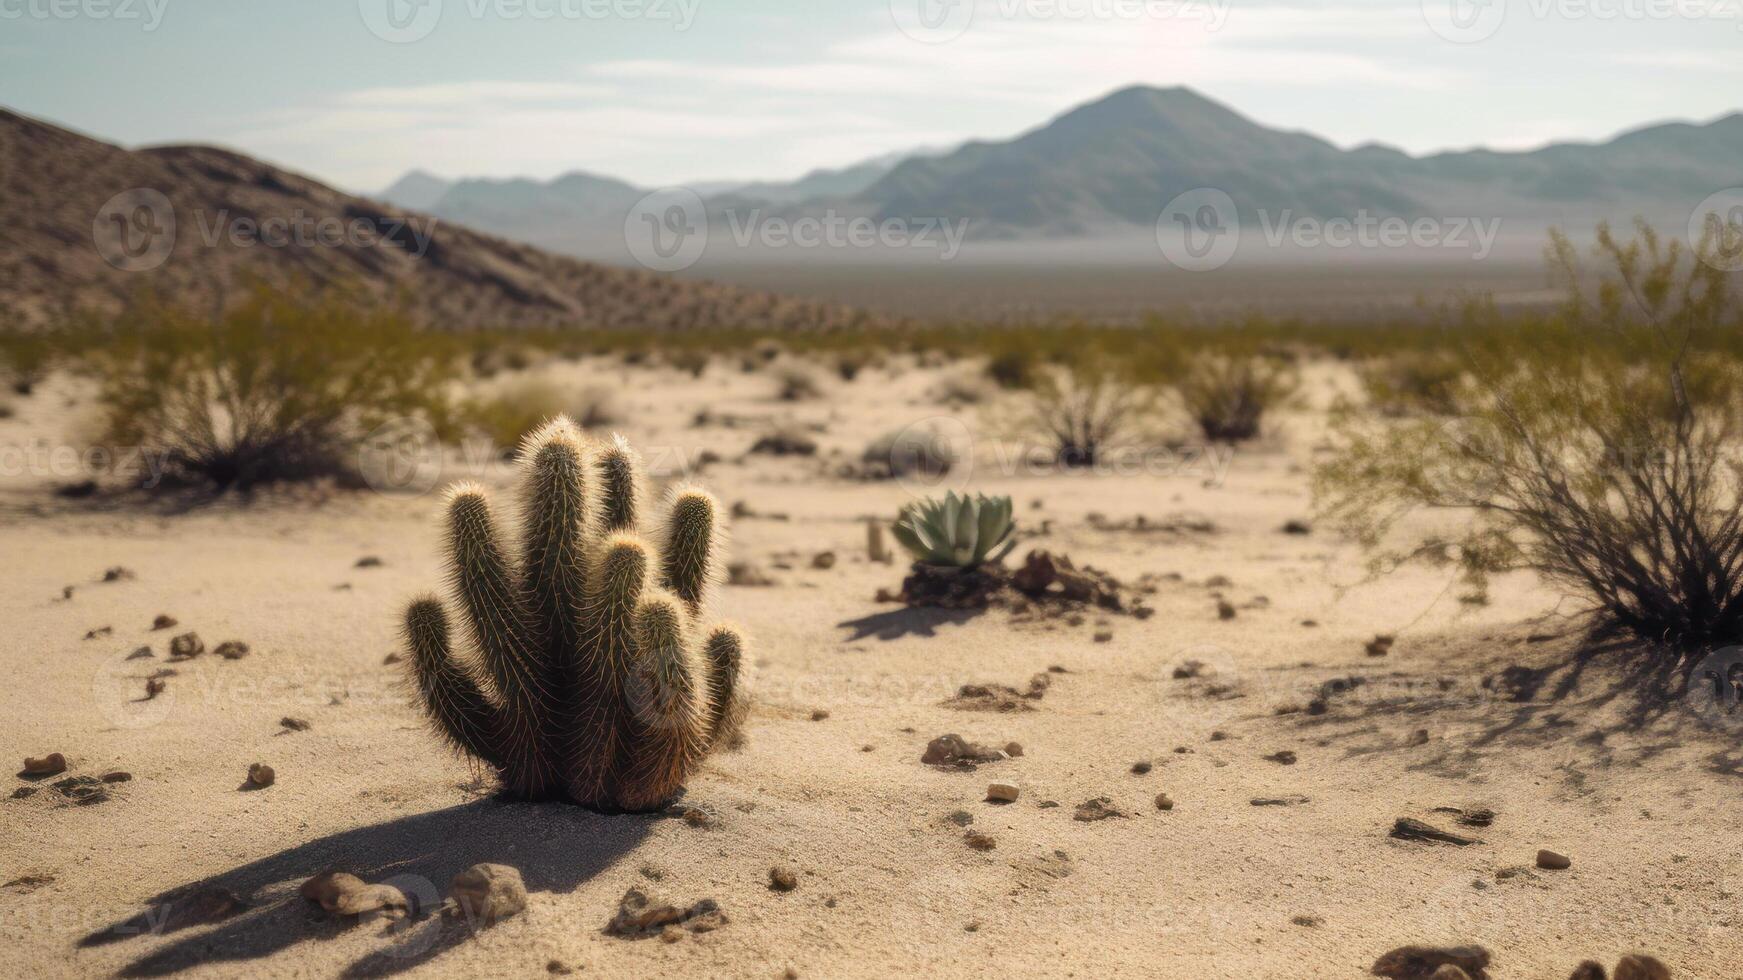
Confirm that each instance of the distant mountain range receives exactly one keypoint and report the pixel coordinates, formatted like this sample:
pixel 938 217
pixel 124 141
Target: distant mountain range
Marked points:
pixel 85 224
pixel 1115 163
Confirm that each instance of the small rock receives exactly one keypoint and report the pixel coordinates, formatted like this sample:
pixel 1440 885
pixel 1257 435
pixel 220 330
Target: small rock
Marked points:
pixel 47 765
pixel 140 654
pixel 1291 800
pixel 639 915
pixel 368 561
pixel 1407 828
pixel 1296 527
pixel 488 893
pixel 295 724
pixel 186 645
pixel 1551 861
pixel 1164 801
pixel 1380 645
pixel 558 968
pixel 261 775
pixel 1224 609
pixel 163 621
pixel 1418 737
pixel 154 686
pixel 823 560
pixel 346 894
pixel 1141 767
pixel 819 715
pixel 1100 808
pixel 979 841
pixel 390 660
pixel 117 574
pixel 1219 736
pixel 782 879
pixel 232 650
pixel 955 752
pixel 1421 962
pixel 1104 636
pixel 1014 749
pixel 117 776
pixel 1002 792
pixel 1306 921
pixel 1283 758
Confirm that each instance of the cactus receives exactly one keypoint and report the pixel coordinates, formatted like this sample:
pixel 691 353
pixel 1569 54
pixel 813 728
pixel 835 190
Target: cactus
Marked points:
pixel 589 680
pixel 956 532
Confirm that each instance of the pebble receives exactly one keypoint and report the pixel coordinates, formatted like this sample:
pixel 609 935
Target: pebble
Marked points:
pixel 488 893
pixel 1283 758
pixel 154 686
pixel 1104 636
pixel 1002 792
pixel 819 715
pixel 186 645
pixel 782 879
pixel 47 765
pixel 1140 767
pixel 1551 861
pixel 295 724
pixel 261 775
pixel 163 621
pixel 1224 610
pixel 1014 749
pixel 1164 801
pixel 140 654
pixel 232 650
pixel 823 560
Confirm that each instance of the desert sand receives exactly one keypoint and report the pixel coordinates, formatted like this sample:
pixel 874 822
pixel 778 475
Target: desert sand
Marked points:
pixel 1472 707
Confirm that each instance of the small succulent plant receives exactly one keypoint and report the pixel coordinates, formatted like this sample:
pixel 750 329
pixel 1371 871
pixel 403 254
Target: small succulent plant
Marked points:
pixel 957 532
pixel 589 680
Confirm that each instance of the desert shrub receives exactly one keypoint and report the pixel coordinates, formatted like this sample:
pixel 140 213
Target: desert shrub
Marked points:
pixel 785 442
pixel 283 386
pixel 691 362
pixel 6 410
pixel 508 414
pixel 913 451
pixel 1597 447
pixel 1013 369
pixel 1413 382
pixel 794 383
pixel 961 389
pixel 1082 411
pixel 1228 392
pixel 849 364
pixel 28 356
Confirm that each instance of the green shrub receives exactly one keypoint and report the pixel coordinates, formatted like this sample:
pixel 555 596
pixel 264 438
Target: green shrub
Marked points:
pixel 1597 447
pixel 28 357
pixel 1414 382
pixel 283 386
pixel 1082 411
pixel 513 411
pixel 1013 369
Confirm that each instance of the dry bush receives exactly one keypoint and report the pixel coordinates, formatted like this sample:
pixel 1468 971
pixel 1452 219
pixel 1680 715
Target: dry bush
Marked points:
pixel 282 387
pixel 691 362
pixel 1414 383
pixel 1013 369
pixel 913 451
pixel 514 410
pixel 961 389
pixel 794 383
pixel 28 357
pixel 1228 392
pixel 849 364
pixel 1598 447
pixel 1084 410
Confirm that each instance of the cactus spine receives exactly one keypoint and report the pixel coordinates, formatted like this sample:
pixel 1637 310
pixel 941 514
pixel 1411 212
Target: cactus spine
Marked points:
pixel 587 679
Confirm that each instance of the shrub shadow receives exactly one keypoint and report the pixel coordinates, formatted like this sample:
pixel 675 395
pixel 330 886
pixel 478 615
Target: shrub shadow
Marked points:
pixel 419 854
pixel 906 621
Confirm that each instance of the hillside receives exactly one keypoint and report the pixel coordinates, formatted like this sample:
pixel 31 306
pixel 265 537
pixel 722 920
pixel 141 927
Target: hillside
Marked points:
pixel 61 247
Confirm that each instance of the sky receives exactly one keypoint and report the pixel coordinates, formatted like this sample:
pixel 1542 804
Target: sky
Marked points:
pixel 657 92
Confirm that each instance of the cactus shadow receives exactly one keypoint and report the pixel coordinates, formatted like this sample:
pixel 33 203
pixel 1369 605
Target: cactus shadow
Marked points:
pixel 557 847
pixel 907 621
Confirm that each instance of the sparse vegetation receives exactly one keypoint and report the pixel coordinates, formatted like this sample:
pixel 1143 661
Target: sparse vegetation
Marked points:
pixel 1228 393
pixel 1596 446
pixel 913 451
pixel 794 383
pixel 1413 382
pixel 1082 411
pixel 957 531
pixel 282 387
pixel 27 356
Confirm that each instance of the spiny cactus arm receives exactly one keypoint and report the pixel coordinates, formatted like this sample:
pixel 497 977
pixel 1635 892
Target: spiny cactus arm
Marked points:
pixel 620 485
pixel 488 592
pixel 691 540
pixel 557 522
pixel 460 711
pixel 723 655
pixel 666 694
pixel 615 584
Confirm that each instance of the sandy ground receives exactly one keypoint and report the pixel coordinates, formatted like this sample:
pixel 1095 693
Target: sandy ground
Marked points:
pixel 1216 887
